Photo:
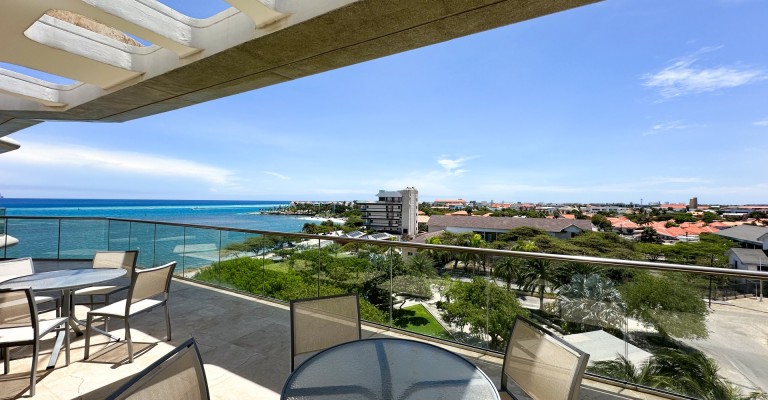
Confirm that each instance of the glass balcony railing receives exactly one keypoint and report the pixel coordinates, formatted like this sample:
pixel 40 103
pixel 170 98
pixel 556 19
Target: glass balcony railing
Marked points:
pixel 659 325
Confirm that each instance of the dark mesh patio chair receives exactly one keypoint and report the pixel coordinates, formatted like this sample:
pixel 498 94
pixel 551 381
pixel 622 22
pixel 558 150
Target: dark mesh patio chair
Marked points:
pixel 540 366
pixel 149 289
pixel 21 326
pixel 319 323
pixel 10 269
pixel 178 375
pixel 109 259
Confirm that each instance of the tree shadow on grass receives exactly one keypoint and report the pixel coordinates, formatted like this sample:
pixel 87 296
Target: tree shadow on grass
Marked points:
pixel 404 318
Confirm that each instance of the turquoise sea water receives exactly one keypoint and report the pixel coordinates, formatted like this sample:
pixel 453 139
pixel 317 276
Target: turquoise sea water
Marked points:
pixel 220 213
pixel 79 239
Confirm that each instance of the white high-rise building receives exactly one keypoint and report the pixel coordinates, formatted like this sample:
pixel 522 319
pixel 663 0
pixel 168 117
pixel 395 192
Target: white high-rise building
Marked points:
pixel 395 212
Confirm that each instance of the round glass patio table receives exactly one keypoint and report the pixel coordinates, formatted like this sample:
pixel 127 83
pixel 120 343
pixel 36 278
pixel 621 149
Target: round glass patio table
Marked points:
pixel 65 280
pixel 390 369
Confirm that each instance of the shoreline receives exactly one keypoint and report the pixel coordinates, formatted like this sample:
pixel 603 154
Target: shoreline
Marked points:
pixel 323 219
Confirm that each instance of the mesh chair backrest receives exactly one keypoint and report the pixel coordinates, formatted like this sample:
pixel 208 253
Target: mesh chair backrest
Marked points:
pixel 16 267
pixel 317 324
pixel 150 282
pixel 17 308
pixel 542 365
pixel 179 375
pixel 115 259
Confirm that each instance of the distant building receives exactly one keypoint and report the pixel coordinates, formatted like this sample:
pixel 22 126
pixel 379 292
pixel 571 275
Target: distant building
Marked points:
pixel 608 209
pixel 450 203
pixel 693 203
pixel 490 227
pixel 395 212
pixel 679 207
pixel 750 237
pixel 748 259
pixel 623 226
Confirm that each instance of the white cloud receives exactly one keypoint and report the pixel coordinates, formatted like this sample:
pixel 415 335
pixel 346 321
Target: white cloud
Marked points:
pixel 684 76
pixel 670 126
pixel 120 161
pixel 275 174
pixel 761 123
pixel 453 166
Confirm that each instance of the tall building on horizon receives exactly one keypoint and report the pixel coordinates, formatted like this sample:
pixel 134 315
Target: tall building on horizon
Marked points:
pixel 395 212
pixel 693 203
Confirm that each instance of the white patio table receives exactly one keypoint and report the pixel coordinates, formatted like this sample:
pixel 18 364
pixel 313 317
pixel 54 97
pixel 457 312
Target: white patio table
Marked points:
pixel 67 281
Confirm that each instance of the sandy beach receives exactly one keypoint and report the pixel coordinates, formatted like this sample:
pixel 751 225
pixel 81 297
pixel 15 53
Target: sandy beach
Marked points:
pixel 321 219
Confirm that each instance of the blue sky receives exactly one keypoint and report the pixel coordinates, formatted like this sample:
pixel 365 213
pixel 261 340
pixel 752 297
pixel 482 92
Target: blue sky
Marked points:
pixel 614 102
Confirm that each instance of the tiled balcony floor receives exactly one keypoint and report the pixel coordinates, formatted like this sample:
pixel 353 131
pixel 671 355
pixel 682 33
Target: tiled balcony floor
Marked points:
pixel 244 341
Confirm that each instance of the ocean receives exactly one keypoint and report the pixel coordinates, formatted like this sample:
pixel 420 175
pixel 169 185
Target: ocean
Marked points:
pixel 221 213
pixel 78 239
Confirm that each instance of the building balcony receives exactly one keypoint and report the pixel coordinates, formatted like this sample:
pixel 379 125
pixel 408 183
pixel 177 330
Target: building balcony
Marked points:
pixel 242 327
pixel 244 342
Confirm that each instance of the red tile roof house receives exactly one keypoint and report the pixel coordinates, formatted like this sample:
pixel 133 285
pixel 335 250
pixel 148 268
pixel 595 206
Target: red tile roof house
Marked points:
pixel 490 227
pixel 687 231
pixel 623 225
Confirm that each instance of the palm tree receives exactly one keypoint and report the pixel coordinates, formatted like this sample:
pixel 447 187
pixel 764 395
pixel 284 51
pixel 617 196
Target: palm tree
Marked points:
pixel 507 268
pixel 692 373
pixel 688 373
pixel 421 263
pixel 625 370
pixel 592 300
pixel 535 277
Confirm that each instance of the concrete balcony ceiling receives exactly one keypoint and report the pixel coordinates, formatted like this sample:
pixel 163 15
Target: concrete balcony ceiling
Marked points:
pixel 188 61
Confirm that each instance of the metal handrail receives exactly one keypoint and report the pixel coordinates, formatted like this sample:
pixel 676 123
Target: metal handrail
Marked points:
pixel 612 262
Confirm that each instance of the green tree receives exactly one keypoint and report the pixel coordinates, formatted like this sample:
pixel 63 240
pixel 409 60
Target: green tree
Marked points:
pixel 687 373
pixel 709 251
pixel 507 269
pixel 625 370
pixel 651 251
pixel 535 276
pixel 668 303
pixel 709 217
pixel 309 228
pixel 354 221
pixel 649 235
pixel 482 307
pixel 601 222
pixel 421 264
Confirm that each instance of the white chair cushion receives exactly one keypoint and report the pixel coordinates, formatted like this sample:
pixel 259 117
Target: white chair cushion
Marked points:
pixel 43 299
pixel 25 333
pixel 99 290
pixel 117 309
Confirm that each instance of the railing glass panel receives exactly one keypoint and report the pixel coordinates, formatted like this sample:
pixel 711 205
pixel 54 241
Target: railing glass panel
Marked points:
pixel 201 247
pixel 38 238
pixel 81 238
pixel 119 235
pixel 142 238
pixel 169 244
pixel 670 323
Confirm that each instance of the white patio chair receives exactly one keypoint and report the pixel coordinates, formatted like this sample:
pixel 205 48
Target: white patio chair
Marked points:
pixel 20 326
pixel 540 365
pixel 17 267
pixel 149 289
pixel 109 259
pixel 319 323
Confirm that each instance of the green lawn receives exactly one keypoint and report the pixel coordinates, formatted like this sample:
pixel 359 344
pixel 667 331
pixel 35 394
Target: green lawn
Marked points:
pixel 418 319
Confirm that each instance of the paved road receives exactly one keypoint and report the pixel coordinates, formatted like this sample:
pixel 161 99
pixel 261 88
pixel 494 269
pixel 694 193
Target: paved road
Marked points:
pixel 738 340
